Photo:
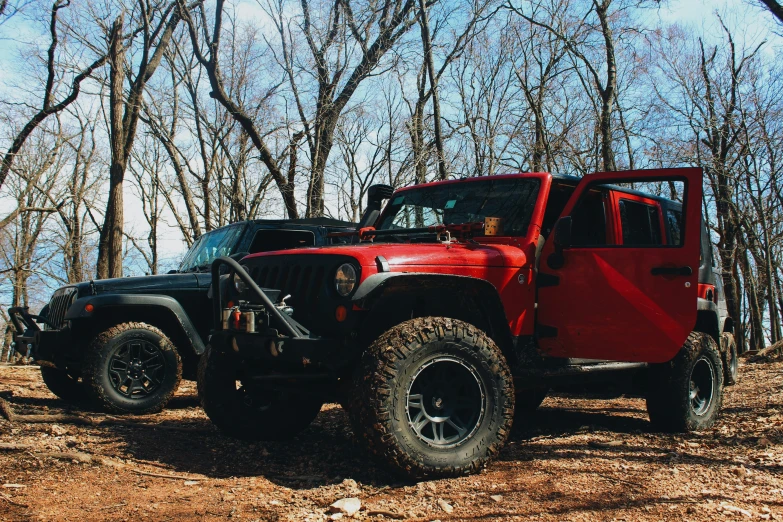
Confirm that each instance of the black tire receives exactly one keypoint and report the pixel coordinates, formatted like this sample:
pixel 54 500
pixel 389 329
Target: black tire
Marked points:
pixel 685 394
pixel 730 359
pixel 528 400
pixel 132 368
pixel 243 415
pixel 414 373
pixel 63 384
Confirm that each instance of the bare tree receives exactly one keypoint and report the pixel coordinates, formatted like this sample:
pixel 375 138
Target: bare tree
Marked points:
pixel 48 104
pixel 156 25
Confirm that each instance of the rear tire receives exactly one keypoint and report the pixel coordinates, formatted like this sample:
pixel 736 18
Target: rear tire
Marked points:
pixel 730 359
pixel 63 384
pixel 434 398
pixel 243 415
pixel 685 394
pixel 132 368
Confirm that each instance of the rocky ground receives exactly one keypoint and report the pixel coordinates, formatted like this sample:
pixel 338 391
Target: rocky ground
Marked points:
pixel 577 459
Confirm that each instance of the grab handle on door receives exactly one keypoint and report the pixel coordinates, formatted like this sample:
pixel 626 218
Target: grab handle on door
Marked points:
pixel 671 270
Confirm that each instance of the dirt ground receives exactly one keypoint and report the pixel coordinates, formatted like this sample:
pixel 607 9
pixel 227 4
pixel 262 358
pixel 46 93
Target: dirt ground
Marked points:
pixel 576 459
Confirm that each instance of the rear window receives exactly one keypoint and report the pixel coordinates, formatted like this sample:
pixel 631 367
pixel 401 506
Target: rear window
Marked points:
pixel 641 223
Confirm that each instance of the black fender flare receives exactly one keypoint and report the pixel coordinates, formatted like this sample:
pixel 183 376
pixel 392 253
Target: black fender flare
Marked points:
pixel 483 292
pixel 708 319
pixel 78 310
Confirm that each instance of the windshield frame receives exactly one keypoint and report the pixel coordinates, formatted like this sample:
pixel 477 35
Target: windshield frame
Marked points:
pixel 470 185
pixel 231 233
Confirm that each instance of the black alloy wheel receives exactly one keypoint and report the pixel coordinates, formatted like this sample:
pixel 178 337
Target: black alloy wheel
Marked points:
pixel 132 368
pixel 137 368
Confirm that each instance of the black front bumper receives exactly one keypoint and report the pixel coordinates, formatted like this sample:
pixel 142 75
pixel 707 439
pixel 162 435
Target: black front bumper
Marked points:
pixel 31 341
pixel 283 352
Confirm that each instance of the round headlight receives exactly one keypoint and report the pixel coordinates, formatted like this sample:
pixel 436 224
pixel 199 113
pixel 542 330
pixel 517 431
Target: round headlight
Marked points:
pixel 240 285
pixel 345 279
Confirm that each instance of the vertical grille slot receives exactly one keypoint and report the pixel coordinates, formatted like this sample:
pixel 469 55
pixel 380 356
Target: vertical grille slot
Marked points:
pixel 318 280
pixel 58 305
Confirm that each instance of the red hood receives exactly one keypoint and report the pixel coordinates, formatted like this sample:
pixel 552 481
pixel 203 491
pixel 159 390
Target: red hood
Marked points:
pixel 420 254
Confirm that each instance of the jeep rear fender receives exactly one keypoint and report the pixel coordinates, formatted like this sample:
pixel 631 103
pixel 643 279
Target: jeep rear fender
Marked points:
pixel 480 292
pixel 162 307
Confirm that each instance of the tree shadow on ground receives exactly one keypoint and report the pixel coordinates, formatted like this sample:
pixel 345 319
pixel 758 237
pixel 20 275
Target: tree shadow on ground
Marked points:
pixel 325 453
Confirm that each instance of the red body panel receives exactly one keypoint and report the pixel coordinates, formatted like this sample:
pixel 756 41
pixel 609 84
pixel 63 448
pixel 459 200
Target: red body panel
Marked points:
pixel 506 262
pixel 608 305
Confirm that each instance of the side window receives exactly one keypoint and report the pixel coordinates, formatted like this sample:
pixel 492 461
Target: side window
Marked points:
pixel 674 223
pixel 641 223
pixel 589 220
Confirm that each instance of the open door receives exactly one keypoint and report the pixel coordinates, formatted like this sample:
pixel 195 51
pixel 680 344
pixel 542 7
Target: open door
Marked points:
pixel 620 294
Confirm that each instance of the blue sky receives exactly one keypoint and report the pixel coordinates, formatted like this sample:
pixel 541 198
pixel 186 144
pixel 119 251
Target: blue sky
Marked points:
pixel 748 21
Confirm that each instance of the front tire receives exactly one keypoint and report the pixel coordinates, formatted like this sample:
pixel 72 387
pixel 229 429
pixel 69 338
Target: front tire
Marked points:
pixel 245 415
pixel 132 368
pixel 63 384
pixel 434 398
pixel 685 394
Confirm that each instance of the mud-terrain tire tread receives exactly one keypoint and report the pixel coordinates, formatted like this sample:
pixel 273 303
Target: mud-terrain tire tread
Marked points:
pixel 215 372
pixel 371 413
pixel 729 352
pixel 63 385
pixel 92 367
pixel 668 400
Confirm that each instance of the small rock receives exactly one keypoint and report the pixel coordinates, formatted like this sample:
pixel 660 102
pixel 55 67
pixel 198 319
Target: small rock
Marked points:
pixel 336 516
pixel 350 483
pixel 347 506
pixel 445 506
pixel 496 498
pixel 763 442
pixel 735 509
pixel 57 430
pixel 14 486
pixel 191 482
pixel 605 444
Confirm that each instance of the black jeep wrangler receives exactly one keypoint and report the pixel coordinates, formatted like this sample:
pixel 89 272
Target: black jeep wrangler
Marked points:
pixel 127 342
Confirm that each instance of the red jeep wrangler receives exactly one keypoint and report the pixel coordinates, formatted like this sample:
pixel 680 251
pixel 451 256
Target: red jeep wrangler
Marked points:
pixel 466 298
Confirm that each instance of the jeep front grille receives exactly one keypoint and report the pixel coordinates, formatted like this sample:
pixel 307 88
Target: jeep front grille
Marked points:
pixel 307 278
pixel 303 281
pixel 61 300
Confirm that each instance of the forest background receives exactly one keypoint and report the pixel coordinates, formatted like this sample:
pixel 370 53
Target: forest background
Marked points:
pixel 130 127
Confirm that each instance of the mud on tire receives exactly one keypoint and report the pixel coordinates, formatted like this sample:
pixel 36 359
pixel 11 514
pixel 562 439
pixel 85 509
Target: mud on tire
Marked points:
pixel 243 415
pixel 685 394
pixel 421 372
pixel 132 368
pixel 63 384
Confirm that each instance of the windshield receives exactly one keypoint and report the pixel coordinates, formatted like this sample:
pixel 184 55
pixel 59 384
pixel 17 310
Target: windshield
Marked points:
pixel 220 242
pixel 509 200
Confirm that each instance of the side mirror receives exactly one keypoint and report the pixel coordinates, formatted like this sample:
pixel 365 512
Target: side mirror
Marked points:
pixel 561 237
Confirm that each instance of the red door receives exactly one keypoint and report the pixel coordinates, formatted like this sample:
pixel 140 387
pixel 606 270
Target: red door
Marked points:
pixel 621 296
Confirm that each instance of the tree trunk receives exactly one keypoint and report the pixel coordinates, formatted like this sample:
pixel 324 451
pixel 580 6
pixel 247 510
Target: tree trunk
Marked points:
pixel 110 245
pixel 427 44
pixel 607 93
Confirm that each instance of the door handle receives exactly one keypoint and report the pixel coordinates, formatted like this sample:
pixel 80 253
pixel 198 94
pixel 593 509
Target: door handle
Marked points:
pixel 672 270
